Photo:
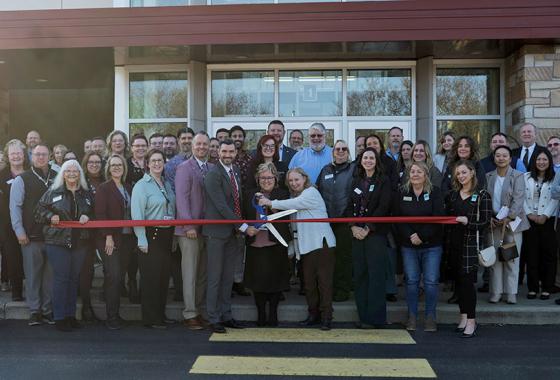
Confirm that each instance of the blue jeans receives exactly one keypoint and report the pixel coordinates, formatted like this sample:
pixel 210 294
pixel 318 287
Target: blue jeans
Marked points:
pixel 424 261
pixel 66 264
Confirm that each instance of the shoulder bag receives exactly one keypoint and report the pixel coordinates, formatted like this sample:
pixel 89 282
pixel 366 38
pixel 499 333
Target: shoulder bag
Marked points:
pixel 507 251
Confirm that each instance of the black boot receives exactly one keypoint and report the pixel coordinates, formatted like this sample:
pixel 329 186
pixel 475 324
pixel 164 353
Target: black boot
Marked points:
pixel 260 301
pixel 133 295
pixel 273 299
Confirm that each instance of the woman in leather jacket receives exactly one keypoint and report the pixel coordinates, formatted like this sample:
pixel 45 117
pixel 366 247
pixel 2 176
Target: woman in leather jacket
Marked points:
pixel 68 199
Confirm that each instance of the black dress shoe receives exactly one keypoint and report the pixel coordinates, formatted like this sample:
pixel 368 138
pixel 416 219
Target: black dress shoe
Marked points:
pixel 240 290
pixel 326 324
pixel 545 296
pixel 217 328
pixel 156 326
pixel 531 295
pixel 453 299
pixel 391 297
pixel 232 323
pixel 484 288
pixel 471 335
pixel 310 321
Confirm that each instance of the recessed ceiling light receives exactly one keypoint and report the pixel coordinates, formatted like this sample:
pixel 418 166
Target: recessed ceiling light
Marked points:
pixel 2 62
pixel 41 80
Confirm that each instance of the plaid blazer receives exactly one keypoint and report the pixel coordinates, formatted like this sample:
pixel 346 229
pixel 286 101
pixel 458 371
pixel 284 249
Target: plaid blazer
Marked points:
pixel 480 223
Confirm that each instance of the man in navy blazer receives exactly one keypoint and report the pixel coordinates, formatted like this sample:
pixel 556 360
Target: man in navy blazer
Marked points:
pixel 529 149
pixel 189 192
pixel 277 130
pixel 222 187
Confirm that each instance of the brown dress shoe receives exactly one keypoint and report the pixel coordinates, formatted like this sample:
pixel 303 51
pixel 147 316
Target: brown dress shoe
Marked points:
pixel 202 321
pixel 192 324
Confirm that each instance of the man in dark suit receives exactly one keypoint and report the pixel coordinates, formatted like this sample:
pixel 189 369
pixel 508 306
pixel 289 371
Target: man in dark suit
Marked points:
pixel 497 139
pixel 529 149
pixel 222 189
pixel 277 130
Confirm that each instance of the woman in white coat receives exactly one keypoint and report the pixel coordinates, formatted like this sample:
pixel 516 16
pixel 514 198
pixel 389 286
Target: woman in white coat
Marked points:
pixel 507 189
pixel 315 244
pixel 539 240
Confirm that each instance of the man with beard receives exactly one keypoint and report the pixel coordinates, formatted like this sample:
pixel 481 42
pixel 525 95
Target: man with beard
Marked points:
pixel 277 130
pixel 395 140
pixel 185 136
pixel 314 158
pixel 169 146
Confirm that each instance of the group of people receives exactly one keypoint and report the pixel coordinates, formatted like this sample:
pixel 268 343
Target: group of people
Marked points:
pixel 509 196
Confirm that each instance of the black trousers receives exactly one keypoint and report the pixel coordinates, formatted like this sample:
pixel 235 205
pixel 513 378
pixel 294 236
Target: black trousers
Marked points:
pixel 466 291
pixel 343 263
pixel 154 274
pixel 540 249
pixel 11 250
pixel 86 274
pixel 112 275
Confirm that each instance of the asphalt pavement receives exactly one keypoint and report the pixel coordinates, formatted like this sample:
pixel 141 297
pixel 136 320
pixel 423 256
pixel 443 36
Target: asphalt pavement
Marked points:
pixel 497 352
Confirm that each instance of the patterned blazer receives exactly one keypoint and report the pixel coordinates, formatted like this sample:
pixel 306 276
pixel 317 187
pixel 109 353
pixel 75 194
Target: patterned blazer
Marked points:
pixel 481 201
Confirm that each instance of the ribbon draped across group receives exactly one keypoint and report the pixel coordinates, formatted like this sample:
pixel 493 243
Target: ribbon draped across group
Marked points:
pixel 182 222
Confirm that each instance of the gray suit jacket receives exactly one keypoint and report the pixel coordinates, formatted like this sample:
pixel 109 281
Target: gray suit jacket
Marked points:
pixel 512 196
pixel 219 201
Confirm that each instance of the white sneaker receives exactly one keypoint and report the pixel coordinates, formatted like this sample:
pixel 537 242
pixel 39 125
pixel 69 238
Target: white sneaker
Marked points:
pixel 494 298
pixel 511 299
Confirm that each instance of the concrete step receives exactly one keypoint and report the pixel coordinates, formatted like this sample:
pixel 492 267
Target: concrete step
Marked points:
pixel 294 308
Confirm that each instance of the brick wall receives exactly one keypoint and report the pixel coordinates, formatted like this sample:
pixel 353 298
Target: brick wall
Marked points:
pixel 532 89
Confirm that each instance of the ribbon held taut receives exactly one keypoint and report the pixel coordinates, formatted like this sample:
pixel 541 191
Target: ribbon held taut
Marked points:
pixel 182 222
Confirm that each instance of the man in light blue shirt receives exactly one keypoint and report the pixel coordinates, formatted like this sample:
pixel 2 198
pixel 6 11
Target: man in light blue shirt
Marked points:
pixel 395 140
pixel 314 158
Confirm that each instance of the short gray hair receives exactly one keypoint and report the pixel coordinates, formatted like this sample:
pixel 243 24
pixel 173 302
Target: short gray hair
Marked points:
pixel 319 126
pixel 59 179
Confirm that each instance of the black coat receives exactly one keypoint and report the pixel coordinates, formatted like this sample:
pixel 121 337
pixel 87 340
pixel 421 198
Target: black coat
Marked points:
pixel 335 184
pixel 377 201
pixel 249 212
pixel 110 205
pixel 68 207
pixel 538 149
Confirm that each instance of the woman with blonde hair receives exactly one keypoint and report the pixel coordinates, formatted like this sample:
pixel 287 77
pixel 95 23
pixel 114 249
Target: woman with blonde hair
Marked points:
pixel 117 143
pixel 421 244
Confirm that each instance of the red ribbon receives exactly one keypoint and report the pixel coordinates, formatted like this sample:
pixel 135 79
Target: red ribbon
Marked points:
pixel 183 222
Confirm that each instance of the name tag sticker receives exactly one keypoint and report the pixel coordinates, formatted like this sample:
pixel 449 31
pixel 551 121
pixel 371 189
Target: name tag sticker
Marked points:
pixel 357 191
pixel 56 199
pixel 10 181
pixel 426 197
pixel 474 197
pixel 167 217
pixel 329 176
pixel 407 199
pixel 371 187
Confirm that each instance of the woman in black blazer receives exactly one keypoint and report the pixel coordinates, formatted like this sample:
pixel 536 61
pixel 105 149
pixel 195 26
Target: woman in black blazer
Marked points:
pixel 266 262
pixel 112 202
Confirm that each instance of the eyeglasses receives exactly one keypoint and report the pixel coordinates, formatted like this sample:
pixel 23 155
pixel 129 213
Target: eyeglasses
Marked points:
pixel 139 146
pixel 116 165
pixel 156 161
pixel 94 162
pixel 268 146
pixel 315 136
pixel 341 149
pixel 267 178
pixel 553 144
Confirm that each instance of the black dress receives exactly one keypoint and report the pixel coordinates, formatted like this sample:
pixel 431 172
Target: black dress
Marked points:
pixel 267 268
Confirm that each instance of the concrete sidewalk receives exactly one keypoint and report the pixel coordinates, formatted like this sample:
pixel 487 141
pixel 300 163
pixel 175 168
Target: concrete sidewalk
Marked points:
pixel 525 312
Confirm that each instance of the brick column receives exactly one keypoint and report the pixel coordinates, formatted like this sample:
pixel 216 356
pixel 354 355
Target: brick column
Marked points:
pixel 532 89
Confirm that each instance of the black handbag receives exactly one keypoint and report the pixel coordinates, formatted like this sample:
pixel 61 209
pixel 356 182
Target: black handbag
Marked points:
pixel 507 251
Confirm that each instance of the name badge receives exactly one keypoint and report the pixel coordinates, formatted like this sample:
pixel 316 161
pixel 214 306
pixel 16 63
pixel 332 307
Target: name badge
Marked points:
pixel 426 197
pixel 371 187
pixel 407 199
pixel 357 191
pixel 10 181
pixel 167 217
pixel 329 176
pixel 56 199
pixel 474 197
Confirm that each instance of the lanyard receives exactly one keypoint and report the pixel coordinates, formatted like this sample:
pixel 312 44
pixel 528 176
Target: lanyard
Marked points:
pixel 44 181
pixel 163 192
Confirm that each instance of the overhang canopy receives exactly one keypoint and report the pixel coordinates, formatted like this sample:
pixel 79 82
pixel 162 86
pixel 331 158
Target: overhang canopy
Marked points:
pixel 415 20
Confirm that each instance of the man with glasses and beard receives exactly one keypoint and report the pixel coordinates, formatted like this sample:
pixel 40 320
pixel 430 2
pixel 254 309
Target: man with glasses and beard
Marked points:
pixel 314 158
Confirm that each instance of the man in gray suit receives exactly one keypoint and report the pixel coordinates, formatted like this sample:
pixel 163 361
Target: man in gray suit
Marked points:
pixel 223 201
pixel 189 192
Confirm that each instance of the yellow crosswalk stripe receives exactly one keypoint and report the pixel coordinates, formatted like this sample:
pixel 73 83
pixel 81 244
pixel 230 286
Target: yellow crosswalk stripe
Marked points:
pixel 282 335
pixel 246 365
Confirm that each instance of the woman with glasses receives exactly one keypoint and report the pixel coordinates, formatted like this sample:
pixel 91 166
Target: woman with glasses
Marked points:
pixel 153 199
pixel 11 252
pixel 267 152
pixel 92 167
pixel 334 183
pixel 136 163
pixel 68 199
pixel 117 143
pixel 266 264
pixel 112 202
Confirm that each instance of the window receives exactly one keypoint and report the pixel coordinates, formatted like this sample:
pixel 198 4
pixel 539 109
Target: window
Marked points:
pixel 158 102
pixel 310 93
pixel 379 92
pixel 468 103
pixel 242 93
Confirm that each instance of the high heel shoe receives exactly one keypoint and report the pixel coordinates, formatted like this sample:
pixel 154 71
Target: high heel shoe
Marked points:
pixel 459 329
pixel 471 335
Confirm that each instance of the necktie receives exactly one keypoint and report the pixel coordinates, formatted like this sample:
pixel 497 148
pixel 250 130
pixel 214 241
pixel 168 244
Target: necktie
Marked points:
pixel 236 203
pixel 204 169
pixel 526 159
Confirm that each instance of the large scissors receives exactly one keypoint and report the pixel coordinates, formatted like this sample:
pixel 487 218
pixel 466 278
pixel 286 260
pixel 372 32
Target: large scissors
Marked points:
pixel 268 226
